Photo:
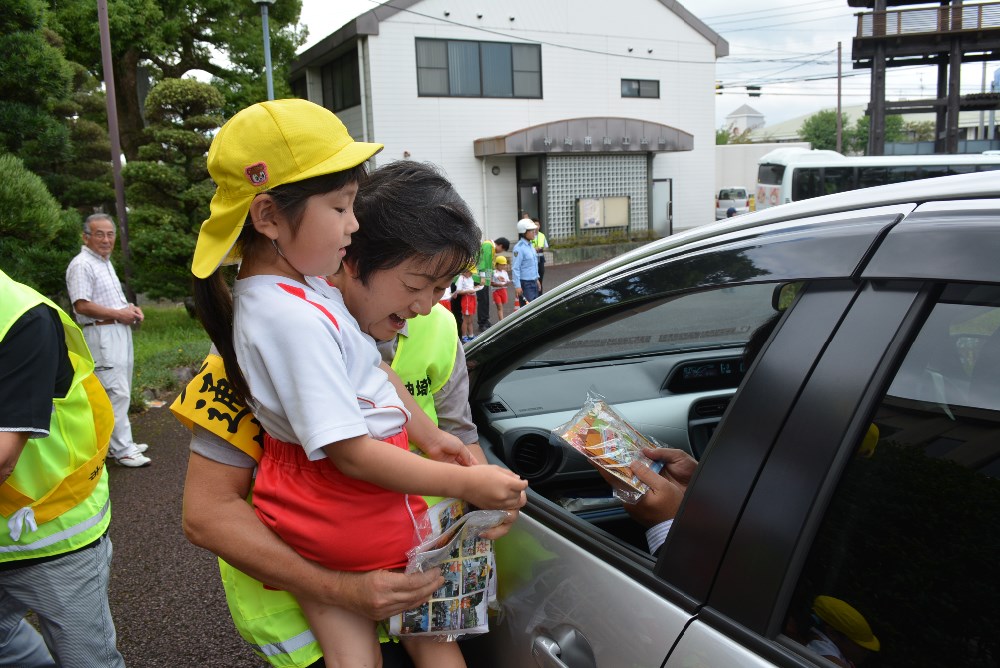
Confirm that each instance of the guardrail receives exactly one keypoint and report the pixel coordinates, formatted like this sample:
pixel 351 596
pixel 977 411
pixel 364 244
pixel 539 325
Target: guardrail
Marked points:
pixel 931 20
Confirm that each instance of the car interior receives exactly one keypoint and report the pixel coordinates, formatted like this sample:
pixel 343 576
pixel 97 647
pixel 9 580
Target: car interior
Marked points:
pixel 669 367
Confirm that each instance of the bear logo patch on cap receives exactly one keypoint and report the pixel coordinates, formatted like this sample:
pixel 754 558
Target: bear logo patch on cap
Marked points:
pixel 257 173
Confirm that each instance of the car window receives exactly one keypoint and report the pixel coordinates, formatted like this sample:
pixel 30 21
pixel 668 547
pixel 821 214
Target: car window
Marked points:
pixel 733 193
pixel 708 319
pixel 903 568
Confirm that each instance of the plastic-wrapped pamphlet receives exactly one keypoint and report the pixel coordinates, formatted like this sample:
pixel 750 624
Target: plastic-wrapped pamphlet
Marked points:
pixel 452 543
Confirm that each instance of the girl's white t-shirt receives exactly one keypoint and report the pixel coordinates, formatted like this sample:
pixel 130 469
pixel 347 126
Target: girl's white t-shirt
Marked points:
pixel 314 376
pixel 500 278
pixel 464 283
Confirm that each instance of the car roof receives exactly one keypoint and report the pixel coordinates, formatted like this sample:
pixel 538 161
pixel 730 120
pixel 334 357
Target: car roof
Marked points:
pixel 960 187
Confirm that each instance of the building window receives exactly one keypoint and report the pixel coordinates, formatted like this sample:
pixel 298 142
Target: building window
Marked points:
pixel 640 88
pixel 458 68
pixel 341 85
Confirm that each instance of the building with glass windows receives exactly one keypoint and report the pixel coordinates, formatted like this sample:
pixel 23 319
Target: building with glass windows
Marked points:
pixel 595 117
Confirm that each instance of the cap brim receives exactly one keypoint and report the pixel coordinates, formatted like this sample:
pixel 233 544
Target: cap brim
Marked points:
pixel 219 233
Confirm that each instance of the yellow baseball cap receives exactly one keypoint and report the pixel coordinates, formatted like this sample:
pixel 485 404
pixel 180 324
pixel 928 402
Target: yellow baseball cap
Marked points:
pixel 843 617
pixel 263 146
pixel 501 259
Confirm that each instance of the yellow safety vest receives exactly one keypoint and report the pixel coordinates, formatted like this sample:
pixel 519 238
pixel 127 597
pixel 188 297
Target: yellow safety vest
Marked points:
pixel 59 484
pixel 272 621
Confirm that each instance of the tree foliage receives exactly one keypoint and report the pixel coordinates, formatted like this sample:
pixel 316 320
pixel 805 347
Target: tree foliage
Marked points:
pixel 919 130
pixel 858 138
pixel 37 237
pixel 820 130
pixel 168 39
pixel 168 187
pixel 51 112
pixel 731 135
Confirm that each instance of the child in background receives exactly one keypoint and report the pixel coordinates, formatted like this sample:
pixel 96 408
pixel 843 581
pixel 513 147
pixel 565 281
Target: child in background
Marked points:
pixel 500 282
pixel 336 481
pixel 445 300
pixel 466 287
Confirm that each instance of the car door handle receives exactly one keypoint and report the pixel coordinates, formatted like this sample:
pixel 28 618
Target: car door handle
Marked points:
pixel 546 652
pixel 563 647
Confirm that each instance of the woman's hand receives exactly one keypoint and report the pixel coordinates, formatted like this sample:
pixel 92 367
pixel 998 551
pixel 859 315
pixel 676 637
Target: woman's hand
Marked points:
pixel 445 447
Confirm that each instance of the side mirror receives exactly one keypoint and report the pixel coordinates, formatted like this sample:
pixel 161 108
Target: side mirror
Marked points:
pixel 784 295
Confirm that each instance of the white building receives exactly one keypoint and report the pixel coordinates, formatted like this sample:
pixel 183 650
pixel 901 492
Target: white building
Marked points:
pixel 535 104
pixel 744 118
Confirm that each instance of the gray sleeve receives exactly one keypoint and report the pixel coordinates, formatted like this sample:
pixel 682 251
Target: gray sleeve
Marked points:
pixel 216 448
pixel 452 402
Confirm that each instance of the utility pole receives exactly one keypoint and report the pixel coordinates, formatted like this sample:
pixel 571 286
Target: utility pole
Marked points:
pixel 116 147
pixel 267 45
pixel 840 123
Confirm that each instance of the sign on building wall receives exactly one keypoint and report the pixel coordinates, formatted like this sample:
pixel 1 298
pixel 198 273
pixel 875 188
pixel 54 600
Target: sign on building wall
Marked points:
pixel 602 212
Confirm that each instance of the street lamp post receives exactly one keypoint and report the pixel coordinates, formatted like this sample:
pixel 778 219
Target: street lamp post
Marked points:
pixel 267 45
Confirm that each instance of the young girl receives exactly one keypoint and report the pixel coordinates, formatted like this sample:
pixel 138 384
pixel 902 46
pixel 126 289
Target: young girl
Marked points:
pixel 336 478
pixel 465 287
pixel 500 282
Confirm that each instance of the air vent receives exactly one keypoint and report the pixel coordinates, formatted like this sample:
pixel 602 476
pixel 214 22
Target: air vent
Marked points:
pixel 496 407
pixel 711 408
pixel 530 456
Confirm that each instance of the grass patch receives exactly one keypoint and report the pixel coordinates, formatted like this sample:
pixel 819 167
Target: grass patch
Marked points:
pixel 169 339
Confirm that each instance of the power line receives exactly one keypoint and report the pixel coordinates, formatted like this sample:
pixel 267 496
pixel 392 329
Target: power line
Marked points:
pixel 766 11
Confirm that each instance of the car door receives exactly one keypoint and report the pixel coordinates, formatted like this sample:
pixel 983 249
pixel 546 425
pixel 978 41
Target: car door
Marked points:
pixel 877 489
pixel 570 592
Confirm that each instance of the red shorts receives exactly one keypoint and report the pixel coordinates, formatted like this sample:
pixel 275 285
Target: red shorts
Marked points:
pixel 339 522
pixel 468 304
pixel 500 295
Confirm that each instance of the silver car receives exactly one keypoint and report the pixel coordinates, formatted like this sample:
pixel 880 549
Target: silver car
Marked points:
pixel 848 475
pixel 736 198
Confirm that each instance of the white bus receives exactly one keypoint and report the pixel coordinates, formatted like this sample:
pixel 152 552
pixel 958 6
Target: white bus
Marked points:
pixel 792 174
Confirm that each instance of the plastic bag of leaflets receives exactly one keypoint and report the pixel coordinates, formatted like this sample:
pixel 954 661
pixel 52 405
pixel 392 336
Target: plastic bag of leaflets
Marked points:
pixel 605 438
pixel 450 540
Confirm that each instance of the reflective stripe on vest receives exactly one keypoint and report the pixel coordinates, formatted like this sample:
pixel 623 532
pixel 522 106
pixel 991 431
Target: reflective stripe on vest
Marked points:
pixel 56 499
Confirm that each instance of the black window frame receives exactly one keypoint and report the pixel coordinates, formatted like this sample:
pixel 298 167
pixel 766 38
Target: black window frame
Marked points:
pixel 642 88
pixel 515 82
pixel 341 82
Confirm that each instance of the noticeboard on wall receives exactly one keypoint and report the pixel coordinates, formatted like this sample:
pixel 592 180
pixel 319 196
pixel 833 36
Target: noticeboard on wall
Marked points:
pixel 594 213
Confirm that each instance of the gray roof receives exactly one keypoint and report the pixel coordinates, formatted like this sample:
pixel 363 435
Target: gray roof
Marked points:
pixel 745 110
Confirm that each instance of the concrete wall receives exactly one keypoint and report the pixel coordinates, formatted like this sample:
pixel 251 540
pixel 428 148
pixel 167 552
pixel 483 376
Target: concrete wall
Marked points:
pixel 736 164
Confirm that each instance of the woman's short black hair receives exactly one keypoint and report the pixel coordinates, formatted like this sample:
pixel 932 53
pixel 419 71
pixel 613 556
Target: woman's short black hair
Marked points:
pixel 409 210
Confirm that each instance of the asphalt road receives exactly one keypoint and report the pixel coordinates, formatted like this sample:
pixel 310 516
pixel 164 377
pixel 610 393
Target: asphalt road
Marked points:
pixel 166 597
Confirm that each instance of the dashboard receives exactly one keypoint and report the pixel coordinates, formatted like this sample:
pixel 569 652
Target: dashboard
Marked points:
pixel 676 400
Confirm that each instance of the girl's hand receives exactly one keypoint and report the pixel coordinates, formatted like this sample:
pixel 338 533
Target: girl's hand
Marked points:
pixel 493 487
pixel 445 447
pixel 503 528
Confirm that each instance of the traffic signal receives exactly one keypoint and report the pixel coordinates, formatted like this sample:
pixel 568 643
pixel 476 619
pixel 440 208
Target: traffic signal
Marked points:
pixel 754 91
pixel 718 88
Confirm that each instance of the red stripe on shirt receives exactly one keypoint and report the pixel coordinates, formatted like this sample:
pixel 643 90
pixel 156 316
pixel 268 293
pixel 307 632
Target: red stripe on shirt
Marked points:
pixel 301 294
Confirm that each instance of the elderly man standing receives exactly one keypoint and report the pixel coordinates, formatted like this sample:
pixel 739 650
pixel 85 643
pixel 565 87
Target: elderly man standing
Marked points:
pixel 107 319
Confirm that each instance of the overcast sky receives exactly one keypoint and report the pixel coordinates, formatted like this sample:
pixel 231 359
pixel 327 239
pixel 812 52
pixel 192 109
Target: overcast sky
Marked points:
pixel 788 47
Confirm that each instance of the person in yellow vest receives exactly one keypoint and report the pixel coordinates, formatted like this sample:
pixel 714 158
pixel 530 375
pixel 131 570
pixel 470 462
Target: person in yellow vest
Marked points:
pixel 540 244
pixel 55 425
pixel 422 345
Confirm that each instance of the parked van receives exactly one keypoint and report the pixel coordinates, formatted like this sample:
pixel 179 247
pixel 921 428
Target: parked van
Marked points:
pixel 736 197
